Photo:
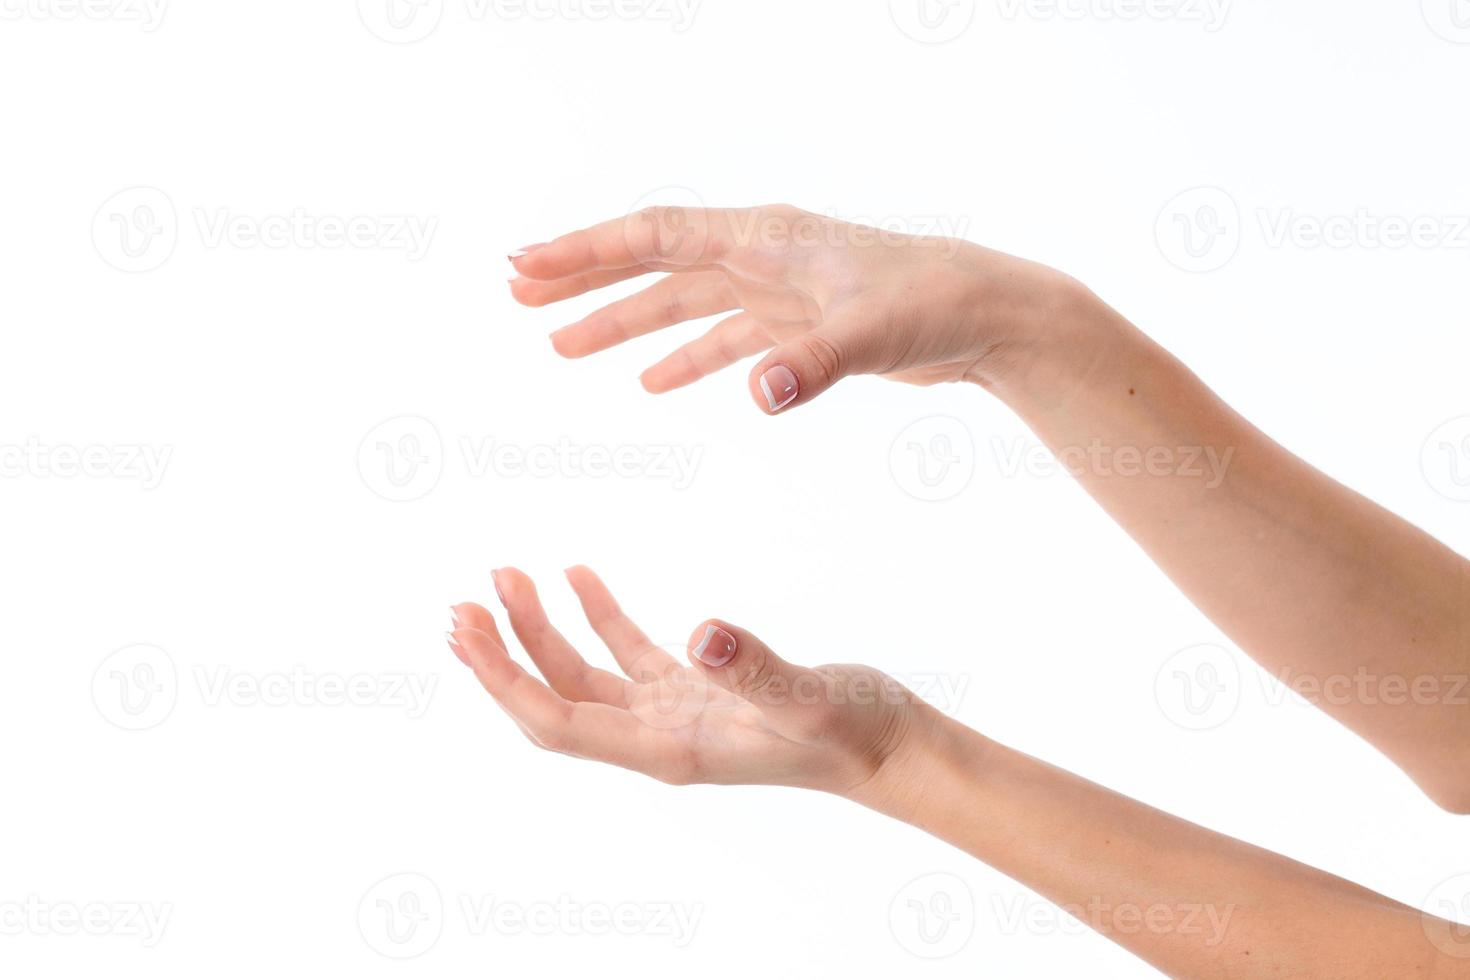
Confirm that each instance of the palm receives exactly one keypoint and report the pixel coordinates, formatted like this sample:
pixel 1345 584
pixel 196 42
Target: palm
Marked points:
pixel 660 716
pixel 698 728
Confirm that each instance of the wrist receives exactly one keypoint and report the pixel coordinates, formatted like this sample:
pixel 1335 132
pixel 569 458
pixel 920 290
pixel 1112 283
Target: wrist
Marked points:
pixel 1045 333
pixel 935 754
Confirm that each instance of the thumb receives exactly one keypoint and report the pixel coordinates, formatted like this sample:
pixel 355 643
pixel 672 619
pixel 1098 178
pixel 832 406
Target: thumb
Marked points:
pixel 796 701
pixel 802 368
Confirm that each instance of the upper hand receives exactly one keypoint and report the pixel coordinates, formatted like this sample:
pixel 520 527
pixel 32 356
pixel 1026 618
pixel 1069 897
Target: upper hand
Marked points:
pixel 823 298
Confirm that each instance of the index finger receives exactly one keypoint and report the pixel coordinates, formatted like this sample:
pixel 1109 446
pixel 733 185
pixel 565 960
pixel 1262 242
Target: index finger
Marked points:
pixel 587 729
pixel 662 238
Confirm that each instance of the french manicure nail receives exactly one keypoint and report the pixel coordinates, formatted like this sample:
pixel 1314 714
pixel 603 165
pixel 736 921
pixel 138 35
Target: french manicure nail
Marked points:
pixel 778 384
pixel 454 616
pixel 495 577
pixel 519 253
pixel 717 648
pixel 458 650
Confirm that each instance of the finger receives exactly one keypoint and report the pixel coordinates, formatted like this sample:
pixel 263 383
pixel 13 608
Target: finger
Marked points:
pixel 659 237
pixel 469 615
pixel 640 658
pixel 460 622
pixel 476 617
pixel 533 292
pixel 680 297
pixel 804 367
pixel 559 662
pixel 586 729
pixel 732 339
pixel 796 701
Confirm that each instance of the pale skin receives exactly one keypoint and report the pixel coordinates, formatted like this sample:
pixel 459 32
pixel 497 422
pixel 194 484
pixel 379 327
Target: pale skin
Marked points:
pixel 1309 578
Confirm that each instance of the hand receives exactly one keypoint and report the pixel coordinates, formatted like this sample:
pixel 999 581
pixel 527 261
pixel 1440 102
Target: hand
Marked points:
pixel 737 714
pixel 826 299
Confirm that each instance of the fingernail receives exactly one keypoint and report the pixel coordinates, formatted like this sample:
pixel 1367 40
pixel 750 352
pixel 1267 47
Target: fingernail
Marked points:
pixel 778 383
pixel 519 253
pixel 495 577
pixel 717 648
pixel 454 616
pixel 458 650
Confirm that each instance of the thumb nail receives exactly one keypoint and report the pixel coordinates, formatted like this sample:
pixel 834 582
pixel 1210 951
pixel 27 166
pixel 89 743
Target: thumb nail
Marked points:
pixel 778 384
pixel 716 649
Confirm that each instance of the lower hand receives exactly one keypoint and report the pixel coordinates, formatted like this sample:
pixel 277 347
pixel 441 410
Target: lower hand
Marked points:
pixel 737 713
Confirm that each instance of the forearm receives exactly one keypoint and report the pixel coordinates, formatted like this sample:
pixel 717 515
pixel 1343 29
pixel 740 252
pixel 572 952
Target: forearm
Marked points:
pixel 1192 902
pixel 1356 609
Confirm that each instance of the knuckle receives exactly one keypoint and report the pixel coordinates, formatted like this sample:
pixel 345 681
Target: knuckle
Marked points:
pixel 653 212
pixel 579 679
pixel 825 357
pixel 757 675
pixel 612 322
pixel 553 740
pixel 527 292
pixel 683 771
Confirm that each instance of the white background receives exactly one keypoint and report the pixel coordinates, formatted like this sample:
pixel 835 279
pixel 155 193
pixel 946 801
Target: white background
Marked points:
pixel 262 825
